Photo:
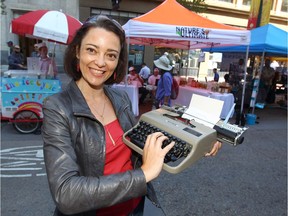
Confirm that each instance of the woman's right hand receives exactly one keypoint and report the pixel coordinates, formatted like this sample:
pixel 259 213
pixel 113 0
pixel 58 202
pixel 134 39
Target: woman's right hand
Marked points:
pixel 153 155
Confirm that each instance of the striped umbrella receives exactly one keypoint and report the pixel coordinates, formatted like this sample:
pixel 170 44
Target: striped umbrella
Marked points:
pixel 46 24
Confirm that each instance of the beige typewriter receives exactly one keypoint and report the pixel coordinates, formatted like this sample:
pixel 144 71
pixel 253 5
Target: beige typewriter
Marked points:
pixel 192 139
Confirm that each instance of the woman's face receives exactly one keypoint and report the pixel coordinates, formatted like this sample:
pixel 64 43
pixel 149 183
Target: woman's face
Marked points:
pixel 98 56
pixel 43 52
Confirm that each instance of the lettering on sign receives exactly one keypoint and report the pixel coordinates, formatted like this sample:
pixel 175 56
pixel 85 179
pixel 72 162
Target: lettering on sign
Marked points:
pixel 192 32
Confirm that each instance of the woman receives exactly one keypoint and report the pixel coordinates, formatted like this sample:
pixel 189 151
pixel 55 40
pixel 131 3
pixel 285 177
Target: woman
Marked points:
pixel 133 78
pixel 47 64
pixel 90 170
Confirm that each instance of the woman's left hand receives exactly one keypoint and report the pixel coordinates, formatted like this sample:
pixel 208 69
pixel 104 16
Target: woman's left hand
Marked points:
pixel 216 147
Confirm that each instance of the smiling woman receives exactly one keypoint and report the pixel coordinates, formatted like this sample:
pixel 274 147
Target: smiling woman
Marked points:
pixel 90 170
pixel 71 63
pixel 85 157
pixel 98 57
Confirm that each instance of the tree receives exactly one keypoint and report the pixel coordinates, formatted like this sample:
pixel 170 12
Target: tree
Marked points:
pixel 198 6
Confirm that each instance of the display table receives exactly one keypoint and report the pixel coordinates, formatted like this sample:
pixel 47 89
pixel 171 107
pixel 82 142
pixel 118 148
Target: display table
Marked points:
pixel 133 94
pixel 186 92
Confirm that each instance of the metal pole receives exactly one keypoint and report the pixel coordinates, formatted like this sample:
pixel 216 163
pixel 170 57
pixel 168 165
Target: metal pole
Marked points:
pixel 244 84
pixel 259 75
pixel 187 62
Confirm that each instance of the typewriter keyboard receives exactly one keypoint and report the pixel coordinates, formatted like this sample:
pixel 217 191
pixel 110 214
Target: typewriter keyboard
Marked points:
pixel 139 134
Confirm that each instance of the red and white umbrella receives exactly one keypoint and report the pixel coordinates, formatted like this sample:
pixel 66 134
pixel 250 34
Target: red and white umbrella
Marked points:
pixel 46 24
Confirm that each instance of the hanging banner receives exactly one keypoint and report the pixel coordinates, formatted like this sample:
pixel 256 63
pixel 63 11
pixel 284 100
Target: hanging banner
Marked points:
pixel 254 13
pixel 265 13
pixel 259 13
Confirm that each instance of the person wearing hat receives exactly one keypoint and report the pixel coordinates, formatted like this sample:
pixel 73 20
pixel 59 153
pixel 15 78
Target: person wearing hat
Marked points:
pixel 134 79
pixel 47 65
pixel 16 59
pixel 164 86
pixel 10 45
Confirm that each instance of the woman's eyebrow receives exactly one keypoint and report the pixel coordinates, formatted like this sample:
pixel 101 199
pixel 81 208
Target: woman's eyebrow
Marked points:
pixel 113 50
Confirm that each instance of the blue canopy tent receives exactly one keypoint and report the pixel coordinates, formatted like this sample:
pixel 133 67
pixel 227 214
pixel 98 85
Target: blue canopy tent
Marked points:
pixel 266 39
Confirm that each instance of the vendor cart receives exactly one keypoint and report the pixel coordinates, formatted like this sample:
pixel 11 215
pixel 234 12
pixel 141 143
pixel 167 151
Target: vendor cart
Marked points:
pixel 22 94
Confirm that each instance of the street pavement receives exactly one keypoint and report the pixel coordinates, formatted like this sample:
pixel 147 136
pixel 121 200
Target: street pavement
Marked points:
pixel 247 180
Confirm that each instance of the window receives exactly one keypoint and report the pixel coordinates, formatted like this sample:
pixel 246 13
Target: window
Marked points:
pixel 136 53
pixel 284 6
pixel 247 2
pixel 229 1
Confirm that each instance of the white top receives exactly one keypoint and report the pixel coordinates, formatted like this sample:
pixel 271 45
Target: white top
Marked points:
pixel 144 72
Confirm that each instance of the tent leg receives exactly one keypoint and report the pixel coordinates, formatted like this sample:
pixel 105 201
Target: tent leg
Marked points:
pixel 244 84
pixel 128 47
pixel 259 75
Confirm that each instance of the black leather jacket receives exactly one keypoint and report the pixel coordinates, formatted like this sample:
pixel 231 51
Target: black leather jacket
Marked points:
pixel 74 154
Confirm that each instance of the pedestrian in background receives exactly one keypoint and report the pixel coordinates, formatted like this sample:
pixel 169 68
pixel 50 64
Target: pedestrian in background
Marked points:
pixel 47 64
pixel 216 75
pixel 144 72
pixel 153 81
pixel 236 73
pixel 11 46
pixel 35 52
pixel 266 79
pixel 226 78
pixel 16 59
pixel 164 86
pixel 135 79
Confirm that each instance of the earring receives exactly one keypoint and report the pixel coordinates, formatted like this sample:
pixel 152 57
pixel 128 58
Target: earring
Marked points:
pixel 114 75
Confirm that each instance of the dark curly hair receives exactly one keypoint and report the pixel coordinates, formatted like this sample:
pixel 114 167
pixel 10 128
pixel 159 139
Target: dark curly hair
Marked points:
pixel 99 21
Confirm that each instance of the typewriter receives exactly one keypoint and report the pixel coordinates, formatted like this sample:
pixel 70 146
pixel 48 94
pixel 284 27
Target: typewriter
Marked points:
pixel 192 139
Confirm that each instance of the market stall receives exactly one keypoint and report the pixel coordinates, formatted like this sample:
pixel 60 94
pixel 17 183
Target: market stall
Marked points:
pixel 186 30
pixel 265 41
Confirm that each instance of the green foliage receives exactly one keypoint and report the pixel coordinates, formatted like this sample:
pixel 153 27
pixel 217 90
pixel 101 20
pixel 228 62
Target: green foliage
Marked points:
pixel 197 6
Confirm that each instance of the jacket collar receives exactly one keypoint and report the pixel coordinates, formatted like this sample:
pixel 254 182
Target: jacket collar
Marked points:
pixel 79 104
